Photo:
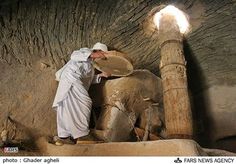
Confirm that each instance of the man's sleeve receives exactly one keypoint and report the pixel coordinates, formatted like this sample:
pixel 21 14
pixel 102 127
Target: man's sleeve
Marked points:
pixel 96 79
pixel 81 55
pixel 59 72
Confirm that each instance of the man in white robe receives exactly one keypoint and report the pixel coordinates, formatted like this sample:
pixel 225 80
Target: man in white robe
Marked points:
pixel 72 101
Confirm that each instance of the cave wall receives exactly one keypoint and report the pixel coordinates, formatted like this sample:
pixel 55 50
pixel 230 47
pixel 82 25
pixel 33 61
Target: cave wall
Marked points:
pixel 37 38
pixel 216 108
pixel 26 97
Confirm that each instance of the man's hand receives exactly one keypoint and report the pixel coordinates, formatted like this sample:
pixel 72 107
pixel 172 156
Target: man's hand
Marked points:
pixel 104 74
pixel 98 54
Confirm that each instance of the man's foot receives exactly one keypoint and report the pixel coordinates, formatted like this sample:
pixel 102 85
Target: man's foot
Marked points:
pixel 88 139
pixel 61 141
pixel 57 141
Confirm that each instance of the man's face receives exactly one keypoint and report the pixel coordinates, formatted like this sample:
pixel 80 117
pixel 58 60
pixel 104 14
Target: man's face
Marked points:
pixel 98 54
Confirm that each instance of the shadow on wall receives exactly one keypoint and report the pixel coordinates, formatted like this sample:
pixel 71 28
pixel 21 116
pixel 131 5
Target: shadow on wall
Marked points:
pixel 227 143
pixel 16 134
pixel 196 85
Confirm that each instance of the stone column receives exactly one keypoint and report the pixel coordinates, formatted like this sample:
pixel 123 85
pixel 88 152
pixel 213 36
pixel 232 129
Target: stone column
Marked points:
pixel 178 115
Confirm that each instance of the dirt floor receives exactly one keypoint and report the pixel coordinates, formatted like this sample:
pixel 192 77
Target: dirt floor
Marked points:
pixel 175 147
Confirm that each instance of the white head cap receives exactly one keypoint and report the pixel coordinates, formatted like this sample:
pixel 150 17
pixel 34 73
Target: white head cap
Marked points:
pixel 100 46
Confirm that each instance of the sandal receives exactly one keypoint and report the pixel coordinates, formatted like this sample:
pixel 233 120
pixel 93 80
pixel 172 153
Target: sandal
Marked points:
pixel 57 141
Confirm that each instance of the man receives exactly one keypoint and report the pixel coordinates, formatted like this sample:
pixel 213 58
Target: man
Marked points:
pixel 72 101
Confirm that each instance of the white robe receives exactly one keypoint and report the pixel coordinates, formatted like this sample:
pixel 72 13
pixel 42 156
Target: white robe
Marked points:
pixel 72 101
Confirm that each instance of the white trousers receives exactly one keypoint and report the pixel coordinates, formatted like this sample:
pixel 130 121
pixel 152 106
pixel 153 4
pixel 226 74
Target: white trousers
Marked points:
pixel 73 113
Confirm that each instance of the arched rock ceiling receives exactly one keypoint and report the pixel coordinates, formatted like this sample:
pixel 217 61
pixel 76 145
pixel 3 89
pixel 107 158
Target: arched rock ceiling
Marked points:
pixel 52 29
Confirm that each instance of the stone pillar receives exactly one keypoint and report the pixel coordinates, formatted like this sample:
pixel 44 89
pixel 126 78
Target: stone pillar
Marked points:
pixel 178 115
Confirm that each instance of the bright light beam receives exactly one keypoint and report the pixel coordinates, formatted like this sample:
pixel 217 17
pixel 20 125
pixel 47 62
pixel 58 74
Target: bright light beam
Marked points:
pixel 180 17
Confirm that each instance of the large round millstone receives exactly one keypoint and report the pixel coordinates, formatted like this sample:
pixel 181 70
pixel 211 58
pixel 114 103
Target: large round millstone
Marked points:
pixel 115 63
